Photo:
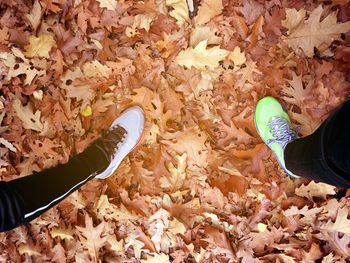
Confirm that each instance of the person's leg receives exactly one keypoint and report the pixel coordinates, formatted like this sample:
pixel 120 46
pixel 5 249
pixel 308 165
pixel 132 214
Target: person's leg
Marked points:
pixel 324 156
pixel 26 198
pixel 23 199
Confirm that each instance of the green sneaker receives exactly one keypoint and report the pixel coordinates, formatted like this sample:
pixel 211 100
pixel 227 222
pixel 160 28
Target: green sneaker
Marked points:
pixel 274 128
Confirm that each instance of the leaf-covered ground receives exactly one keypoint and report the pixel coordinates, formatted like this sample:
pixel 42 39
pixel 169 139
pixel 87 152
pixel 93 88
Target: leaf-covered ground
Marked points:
pixel 201 187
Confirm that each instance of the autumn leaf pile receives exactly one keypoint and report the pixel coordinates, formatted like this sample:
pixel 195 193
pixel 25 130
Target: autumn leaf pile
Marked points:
pixel 201 187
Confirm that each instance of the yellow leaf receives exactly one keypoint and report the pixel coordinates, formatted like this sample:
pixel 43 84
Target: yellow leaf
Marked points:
pixel 30 119
pixel 315 189
pixel 237 57
pixel 34 16
pixel 293 17
pixel 341 224
pixel 62 233
pixel 311 33
pixel 96 69
pixel 180 12
pixel 151 135
pixel 141 21
pixel 109 4
pixel 30 250
pixel 201 33
pixel 262 227
pixel 117 246
pixel 39 46
pixel 176 227
pixel 16 69
pixel 87 112
pixel 200 57
pixel 208 10
pixel 178 175
pixel 157 258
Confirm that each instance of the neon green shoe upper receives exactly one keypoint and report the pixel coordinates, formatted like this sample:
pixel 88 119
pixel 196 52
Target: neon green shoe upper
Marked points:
pixel 274 128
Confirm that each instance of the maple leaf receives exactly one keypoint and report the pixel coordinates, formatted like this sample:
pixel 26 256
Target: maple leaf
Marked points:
pixel 311 33
pixel 208 10
pixel 201 57
pixel 180 12
pixel 341 224
pixel 40 46
pixel 92 237
pixel 315 189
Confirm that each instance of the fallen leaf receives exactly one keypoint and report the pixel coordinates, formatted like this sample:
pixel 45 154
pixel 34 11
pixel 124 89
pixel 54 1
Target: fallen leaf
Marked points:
pixel 341 224
pixel 201 57
pixel 315 190
pixel 208 10
pixel 180 11
pixel 311 33
pixel 40 46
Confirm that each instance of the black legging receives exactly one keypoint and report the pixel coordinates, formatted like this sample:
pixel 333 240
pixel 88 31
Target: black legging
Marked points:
pixel 24 199
pixel 324 156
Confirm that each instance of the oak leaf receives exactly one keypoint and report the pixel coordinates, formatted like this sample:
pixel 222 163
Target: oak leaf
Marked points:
pixel 341 224
pixel 16 69
pixel 201 57
pixel 196 150
pixel 34 16
pixel 67 233
pixel 315 190
pixel 40 46
pixel 93 238
pixel 208 10
pixel 180 11
pixel 201 33
pixel 237 57
pixel 96 69
pixel 29 249
pixel 108 4
pixel 311 33
pixel 26 114
pixel 156 258
pixel 7 144
pixel 177 175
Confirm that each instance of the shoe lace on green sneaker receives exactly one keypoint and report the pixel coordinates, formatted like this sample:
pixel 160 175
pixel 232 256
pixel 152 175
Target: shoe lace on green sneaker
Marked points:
pixel 282 132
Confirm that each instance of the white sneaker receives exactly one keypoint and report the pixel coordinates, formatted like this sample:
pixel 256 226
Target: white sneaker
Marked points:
pixel 126 131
